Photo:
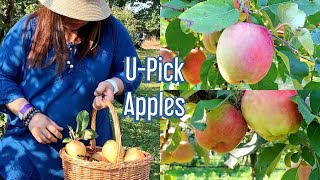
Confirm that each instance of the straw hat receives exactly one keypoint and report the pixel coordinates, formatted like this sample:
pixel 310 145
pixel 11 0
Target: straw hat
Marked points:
pixel 86 10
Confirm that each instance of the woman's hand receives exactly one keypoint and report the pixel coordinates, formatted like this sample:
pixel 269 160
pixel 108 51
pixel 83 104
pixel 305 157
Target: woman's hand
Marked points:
pixel 44 130
pixel 104 90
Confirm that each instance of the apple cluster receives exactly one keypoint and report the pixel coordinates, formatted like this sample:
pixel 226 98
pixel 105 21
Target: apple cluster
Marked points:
pixel 271 114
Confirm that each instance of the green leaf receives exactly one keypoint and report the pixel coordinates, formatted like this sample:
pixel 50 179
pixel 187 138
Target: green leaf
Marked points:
pixel 267 83
pixel 169 13
pixel 305 39
pixel 297 85
pixel 208 75
pixel 175 140
pixel 309 7
pixel 178 4
pixel 303 109
pixel 224 93
pixel 66 140
pixel 268 160
pixel 285 59
pixel 168 9
pixel 295 157
pixel 262 2
pixel 287 159
pixel 315 101
pixel 205 68
pixel 210 16
pixel 307 155
pixel 314 19
pixel 178 40
pixel 315 34
pixel 298 70
pixel 197 119
pixel 312 86
pixel 88 134
pixel 291 15
pixel 202 152
pixel 298 138
pixel 314 175
pixel 291 174
pixel 313 132
pixel 213 76
pixel 83 119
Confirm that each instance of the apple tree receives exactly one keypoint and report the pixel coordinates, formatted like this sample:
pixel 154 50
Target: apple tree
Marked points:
pixel 248 44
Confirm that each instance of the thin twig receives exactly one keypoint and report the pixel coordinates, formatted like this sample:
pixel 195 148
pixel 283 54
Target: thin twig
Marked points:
pixel 295 51
pixel 174 8
pixel 244 8
pixel 286 43
pixel 166 133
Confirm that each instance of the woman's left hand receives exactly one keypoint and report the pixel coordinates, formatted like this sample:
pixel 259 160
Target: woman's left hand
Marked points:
pixel 104 90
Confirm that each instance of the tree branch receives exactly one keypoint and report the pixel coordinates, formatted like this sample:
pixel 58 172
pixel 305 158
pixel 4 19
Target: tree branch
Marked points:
pixel 295 51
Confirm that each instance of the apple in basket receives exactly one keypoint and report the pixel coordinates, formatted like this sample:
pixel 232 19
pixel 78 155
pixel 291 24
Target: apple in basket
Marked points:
pixel 99 157
pixel 110 151
pixel 133 154
pixel 74 147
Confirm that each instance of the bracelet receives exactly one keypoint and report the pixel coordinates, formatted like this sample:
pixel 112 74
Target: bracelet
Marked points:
pixel 29 116
pixel 114 85
pixel 23 110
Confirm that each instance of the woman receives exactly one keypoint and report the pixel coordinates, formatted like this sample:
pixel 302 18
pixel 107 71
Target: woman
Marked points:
pixel 54 63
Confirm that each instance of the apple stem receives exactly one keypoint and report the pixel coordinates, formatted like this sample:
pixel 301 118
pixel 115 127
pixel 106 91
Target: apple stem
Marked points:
pixel 245 8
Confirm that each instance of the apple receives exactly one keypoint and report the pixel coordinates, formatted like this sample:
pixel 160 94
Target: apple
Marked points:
pixel 110 151
pixel 225 129
pixel 76 149
pixel 271 113
pixel 244 53
pixel 192 66
pixel 183 153
pixel 165 157
pixel 210 41
pixel 133 154
pixel 99 157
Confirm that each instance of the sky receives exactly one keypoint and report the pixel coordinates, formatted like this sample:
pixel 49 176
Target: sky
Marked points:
pixel 137 6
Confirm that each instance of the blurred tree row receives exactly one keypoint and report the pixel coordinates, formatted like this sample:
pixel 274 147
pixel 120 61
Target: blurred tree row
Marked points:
pixel 144 18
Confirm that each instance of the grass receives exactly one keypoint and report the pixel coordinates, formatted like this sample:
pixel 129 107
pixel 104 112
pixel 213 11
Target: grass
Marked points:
pixel 216 170
pixel 142 134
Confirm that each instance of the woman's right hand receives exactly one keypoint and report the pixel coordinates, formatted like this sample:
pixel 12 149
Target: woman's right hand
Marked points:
pixel 44 130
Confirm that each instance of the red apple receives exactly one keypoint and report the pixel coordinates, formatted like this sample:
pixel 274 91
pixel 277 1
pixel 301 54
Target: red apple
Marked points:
pixel 244 53
pixel 225 129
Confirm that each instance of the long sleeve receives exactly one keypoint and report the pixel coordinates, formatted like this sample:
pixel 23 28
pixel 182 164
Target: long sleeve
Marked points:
pixel 124 48
pixel 12 59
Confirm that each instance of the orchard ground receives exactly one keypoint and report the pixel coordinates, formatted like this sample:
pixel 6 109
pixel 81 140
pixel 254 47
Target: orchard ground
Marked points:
pixel 142 134
pixel 216 170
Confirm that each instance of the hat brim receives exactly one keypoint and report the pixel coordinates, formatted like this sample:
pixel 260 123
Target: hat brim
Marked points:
pixel 93 10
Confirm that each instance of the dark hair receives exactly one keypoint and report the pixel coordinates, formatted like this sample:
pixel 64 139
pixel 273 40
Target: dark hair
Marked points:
pixel 49 33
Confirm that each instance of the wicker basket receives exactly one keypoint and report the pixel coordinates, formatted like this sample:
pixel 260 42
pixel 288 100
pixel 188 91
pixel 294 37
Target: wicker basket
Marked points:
pixel 77 169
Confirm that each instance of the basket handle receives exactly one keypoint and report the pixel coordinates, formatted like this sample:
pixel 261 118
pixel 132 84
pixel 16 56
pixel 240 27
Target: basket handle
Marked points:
pixel 116 126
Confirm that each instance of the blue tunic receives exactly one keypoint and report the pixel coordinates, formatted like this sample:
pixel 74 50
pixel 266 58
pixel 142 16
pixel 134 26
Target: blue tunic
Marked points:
pixel 60 97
